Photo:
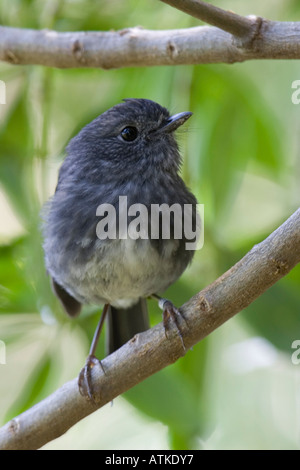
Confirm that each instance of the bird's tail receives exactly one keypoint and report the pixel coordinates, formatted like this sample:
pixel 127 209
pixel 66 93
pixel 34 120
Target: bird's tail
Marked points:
pixel 123 324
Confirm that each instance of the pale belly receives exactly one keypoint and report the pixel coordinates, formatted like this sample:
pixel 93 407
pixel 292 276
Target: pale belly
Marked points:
pixel 124 271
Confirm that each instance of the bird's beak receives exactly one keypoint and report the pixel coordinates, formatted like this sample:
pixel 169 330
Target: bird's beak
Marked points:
pixel 171 124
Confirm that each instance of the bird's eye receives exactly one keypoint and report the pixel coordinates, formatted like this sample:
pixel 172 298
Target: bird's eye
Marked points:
pixel 129 133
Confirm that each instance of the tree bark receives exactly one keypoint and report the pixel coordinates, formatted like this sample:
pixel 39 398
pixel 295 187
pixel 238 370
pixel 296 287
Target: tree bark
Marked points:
pixel 239 39
pixel 137 47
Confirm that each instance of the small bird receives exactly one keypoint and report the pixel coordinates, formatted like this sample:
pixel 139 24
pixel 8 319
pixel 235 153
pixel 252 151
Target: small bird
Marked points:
pixel 129 152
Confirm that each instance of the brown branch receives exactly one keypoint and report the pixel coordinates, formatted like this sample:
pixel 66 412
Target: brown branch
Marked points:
pixel 240 26
pixel 150 351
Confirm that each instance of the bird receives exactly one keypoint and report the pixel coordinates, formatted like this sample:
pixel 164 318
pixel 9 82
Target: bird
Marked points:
pixel 128 153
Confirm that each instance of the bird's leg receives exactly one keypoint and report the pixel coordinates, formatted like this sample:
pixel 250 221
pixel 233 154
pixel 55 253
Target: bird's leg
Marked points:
pixel 85 377
pixel 170 312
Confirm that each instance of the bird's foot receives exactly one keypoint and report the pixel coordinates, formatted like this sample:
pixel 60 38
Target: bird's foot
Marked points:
pixel 170 312
pixel 85 383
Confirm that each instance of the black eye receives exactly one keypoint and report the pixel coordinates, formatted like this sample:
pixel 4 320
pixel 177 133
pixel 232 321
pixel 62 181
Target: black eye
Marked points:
pixel 129 133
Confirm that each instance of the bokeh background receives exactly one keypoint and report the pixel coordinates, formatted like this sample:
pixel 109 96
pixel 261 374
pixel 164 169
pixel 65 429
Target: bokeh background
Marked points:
pixel 237 389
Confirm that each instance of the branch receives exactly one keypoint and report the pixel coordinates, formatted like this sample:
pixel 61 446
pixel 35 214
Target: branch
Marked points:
pixel 150 351
pixel 239 39
pixel 240 26
pixel 137 47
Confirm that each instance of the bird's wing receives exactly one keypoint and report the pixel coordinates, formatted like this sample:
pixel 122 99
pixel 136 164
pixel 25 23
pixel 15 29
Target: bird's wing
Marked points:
pixel 71 305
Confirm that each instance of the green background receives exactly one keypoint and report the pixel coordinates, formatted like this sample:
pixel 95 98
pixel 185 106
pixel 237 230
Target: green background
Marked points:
pixel 238 388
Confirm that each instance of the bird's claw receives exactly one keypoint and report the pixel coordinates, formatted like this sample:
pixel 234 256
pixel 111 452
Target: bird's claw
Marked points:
pixel 85 383
pixel 170 312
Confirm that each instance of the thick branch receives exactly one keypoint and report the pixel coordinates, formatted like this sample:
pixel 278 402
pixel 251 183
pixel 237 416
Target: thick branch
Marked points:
pixel 240 38
pixel 150 351
pixel 137 47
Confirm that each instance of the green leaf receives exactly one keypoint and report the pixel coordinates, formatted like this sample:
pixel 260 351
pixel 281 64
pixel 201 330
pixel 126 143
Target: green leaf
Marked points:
pixel 16 159
pixel 34 389
pixel 276 314
pixel 16 293
pixel 234 129
pixel 169 397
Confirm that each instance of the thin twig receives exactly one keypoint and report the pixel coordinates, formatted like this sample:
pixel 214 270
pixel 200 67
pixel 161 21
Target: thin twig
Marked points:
pixel 151 351
pixel 229 21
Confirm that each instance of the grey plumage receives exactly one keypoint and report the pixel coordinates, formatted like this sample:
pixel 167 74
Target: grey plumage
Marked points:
pixel 99 167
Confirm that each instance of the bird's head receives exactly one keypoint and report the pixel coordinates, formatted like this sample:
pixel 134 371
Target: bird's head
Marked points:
pixel 134 136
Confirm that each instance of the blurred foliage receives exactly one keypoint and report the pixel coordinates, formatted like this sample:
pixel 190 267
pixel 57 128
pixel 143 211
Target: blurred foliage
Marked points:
pixel 241 159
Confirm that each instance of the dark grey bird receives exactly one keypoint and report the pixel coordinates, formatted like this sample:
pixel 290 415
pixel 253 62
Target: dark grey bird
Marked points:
pixel 129 150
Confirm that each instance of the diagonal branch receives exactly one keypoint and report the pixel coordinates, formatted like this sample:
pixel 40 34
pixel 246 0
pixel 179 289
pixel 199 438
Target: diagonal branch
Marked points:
pixel 240 26
pixel 150 351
